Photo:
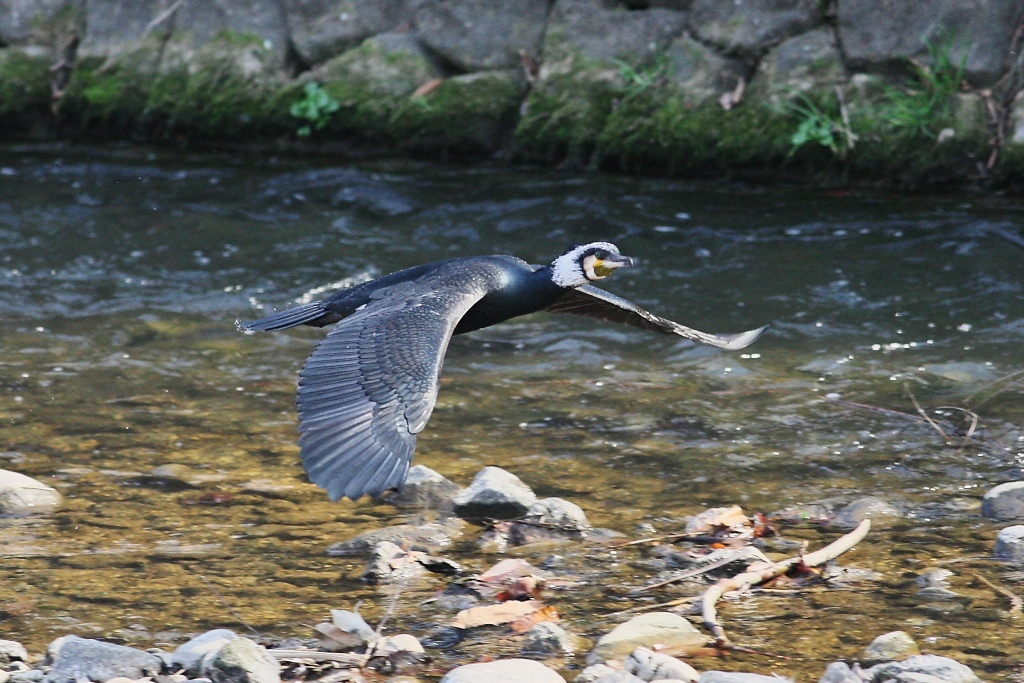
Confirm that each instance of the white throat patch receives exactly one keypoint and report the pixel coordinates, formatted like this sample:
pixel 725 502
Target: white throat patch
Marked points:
pixel 566 270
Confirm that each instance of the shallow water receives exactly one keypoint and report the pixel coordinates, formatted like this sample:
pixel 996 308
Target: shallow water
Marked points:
pixel 122 272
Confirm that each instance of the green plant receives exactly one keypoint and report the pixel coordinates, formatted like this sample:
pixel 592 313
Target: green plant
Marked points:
pixel 315 108
pixel 928 95
pixel 824 123
pixel 639 81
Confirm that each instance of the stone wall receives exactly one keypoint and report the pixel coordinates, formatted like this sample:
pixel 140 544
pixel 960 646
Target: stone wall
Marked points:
pixel 903 90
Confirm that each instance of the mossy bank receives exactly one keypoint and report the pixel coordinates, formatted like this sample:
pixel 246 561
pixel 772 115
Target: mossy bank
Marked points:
pixel 758 88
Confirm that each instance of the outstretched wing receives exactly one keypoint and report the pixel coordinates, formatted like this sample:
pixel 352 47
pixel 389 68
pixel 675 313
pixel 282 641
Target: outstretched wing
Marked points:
pixel 371 384
pixel 597 303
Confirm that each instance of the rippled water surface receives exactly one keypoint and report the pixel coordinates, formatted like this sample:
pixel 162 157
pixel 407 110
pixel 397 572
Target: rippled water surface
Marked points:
pixel 122 273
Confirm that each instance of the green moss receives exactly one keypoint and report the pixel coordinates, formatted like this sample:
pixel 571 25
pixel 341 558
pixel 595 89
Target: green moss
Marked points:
pixel 464 115
pixel 24 87
pixel 107 95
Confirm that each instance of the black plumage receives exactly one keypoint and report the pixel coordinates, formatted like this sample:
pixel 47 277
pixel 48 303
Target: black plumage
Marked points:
pixel 370 386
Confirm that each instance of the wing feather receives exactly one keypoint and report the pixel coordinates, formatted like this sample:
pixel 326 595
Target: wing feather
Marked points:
pixel 593 302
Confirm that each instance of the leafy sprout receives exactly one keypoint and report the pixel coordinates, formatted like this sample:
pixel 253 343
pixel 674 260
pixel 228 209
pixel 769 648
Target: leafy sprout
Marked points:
pixel 315 108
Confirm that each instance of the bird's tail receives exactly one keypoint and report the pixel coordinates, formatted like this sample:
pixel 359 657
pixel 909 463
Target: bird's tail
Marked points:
pixel 300 315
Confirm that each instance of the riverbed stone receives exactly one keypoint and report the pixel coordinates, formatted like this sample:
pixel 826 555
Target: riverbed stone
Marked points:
pixel 23 495
pixel 648 665
pixel 593 673
pixel 559 513
pixel 748 28
pixel 942 668
pixel 425 489
pixel 1010 545
pixel 390 563
pixel 890 647
pixel 391 64
pixel 12 651
pixel 494 494
pixel 840 672
pixel 870 507
pixel 699 73
pixel 807 63
pixel 76 659
pixel 670 631
pixel 1004 502
pixel 979 32
pixel 322 29
pixel 548 639
pixel 618 677
pixel 735 677
pixel 481 35
pixel 503 671
pixel 431 537
pixel 241 661
pixel 189 655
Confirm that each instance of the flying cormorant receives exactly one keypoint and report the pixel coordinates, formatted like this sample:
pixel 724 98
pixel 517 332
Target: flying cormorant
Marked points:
pixel 370 385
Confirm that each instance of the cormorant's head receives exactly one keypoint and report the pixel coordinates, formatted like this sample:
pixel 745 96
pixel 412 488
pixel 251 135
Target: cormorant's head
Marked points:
pixel 587 263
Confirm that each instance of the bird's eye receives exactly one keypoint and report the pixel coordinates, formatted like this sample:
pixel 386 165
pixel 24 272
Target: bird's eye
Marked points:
pixel 601 254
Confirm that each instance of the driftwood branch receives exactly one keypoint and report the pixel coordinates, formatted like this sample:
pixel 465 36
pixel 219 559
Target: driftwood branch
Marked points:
pixel 1016 603
pixel 752 578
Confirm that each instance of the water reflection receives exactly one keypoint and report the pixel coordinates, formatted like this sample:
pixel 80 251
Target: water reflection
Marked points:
pixel 121 274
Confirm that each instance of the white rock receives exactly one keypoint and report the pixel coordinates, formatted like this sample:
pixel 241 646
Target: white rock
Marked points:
pixel 403 642
pixel 189 655
pixel 669 631
pixel 944 668
pixel 12 650
pixel 494 494
pixel 241 661
pixel 650 666
pixel 891 646
pixel 548 638
pixel 739 677
pixel 594 672
pixel 840 672
pixel 503 671
pixel 1010 545
pixel 22 495
pixel 1004 502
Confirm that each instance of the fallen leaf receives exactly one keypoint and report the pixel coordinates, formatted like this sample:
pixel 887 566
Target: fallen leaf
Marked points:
pixel 524 624
pixel 493 615
pixel 523 588
pixel 427 88
pixel 508 569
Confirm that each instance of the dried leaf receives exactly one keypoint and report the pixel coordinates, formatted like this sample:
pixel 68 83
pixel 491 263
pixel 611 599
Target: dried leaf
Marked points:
pixel 763 526
pixel 427 88
pixel 523 588
pixel 717 519
pixel 508 569
pixel 524 624
pixel 493 615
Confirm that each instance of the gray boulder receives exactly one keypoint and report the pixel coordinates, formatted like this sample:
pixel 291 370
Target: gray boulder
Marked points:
pixel 241 661
pixel 648 665
pixel 479 35
pixel 1010 545
pixel 494 494
pixel 594 672
pixel 390 64
pixel 980 31
pixel 748 28
pixel 618 677
pixel 807 63
pixel 583 28
pixel 22 495
pixel 699 72
pixel 391 563
pixel 503 671
pixel 76 659
pixel 671 631
pixel 840 672
pixel 425 489
pixel 559 513
pixel 1004 502
pixel 890 647
pixel 35 21
pixel 189 655
pixel 942 668
pixel 869 507
pixel 548 639
pixel 322 29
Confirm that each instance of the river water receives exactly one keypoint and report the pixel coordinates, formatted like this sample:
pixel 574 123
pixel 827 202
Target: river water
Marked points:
pixel 122 271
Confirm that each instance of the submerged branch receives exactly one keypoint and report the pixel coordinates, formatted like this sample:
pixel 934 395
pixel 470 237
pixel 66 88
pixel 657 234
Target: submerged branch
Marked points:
pixel 1016 603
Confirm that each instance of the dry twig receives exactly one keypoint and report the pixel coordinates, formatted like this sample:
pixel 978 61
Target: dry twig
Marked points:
pixel 752 578
pixel 921 411
pixel 1016 603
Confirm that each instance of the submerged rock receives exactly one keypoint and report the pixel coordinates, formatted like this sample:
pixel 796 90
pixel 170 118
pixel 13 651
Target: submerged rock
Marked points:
pixel 431 537
pixel 558 513
pixel 1004 502
pixel 890 647
pixel 1010 545
pixel 22 495
pixel 494 494
pixel 648 665
pixel 503 671
pixel 869 507
pixel 548 639
pixel 76 659
pixel 670 631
